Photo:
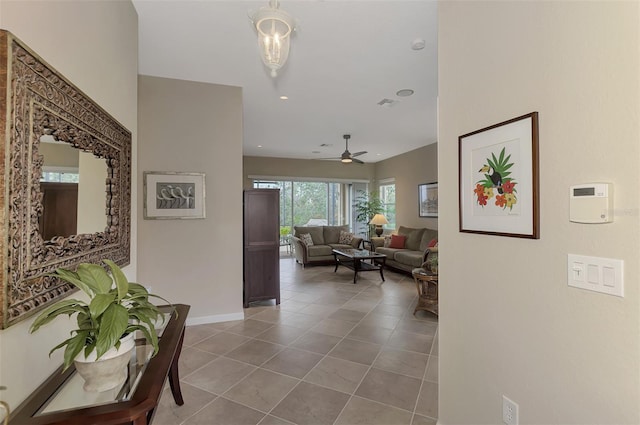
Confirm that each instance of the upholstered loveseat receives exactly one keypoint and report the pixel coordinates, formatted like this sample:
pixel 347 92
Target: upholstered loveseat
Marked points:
pixel 413 252
pixel 325 239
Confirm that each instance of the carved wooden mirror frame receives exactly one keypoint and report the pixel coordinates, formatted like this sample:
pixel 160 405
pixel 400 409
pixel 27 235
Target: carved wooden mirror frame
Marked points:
pixel 40 101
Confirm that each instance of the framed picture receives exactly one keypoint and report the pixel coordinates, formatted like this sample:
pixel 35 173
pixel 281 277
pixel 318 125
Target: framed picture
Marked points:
pixel 171 195
pixel 498 171
pixel 428 200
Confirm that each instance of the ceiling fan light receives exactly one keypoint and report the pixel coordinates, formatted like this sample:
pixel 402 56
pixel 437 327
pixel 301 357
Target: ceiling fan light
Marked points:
pixel 274 27
pixel 346 160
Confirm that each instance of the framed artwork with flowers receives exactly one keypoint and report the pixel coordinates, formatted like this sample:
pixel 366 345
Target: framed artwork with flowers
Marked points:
pixel 498 172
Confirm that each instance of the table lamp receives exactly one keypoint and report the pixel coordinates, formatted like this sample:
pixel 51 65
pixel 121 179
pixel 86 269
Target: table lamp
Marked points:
pixel 378 220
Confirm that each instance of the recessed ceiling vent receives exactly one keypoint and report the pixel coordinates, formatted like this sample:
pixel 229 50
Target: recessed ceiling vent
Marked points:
pixel 387 103
pixel 326 145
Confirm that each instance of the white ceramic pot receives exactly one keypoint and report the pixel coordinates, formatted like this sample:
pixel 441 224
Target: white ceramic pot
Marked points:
pixel 108 372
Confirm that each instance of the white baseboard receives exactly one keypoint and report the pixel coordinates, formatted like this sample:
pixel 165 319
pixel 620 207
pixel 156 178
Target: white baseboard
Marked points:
pixel 191 321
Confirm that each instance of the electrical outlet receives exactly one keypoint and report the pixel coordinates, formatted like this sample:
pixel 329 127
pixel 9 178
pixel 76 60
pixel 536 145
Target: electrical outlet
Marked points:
pixel 509 411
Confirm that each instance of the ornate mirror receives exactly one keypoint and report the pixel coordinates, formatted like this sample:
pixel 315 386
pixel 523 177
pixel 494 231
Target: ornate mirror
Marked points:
pixel 45 114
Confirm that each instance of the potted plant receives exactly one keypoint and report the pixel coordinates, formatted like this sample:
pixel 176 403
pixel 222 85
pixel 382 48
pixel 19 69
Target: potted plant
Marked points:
pixel 285 231
pixel 105 324
pixel 366 206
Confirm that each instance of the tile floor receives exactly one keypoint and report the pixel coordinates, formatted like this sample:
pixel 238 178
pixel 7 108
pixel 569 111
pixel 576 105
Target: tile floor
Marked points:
pixel 331 353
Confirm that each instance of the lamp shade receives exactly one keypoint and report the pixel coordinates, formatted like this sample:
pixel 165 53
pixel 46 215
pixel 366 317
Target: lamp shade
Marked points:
pixel 274 27
pixel 379 220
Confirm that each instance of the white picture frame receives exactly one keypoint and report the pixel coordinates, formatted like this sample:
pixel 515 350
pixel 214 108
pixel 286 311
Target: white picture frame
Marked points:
pixel 174 195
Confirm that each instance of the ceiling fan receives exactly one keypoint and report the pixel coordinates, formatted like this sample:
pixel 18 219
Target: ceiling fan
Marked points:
pixel 348 157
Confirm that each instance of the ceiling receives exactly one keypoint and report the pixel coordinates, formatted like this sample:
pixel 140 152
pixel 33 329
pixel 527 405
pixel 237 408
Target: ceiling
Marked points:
pixel 346 56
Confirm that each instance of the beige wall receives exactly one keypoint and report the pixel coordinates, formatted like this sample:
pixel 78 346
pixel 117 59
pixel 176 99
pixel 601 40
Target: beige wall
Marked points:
pixel 311 168
pixel 78 39
pixel 509 323
pixel 92 216
pixel 194 127
pixel 59 155
pixel 409 170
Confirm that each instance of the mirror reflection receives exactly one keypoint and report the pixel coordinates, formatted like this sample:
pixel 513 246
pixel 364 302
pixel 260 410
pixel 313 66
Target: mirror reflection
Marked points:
pixel 73 185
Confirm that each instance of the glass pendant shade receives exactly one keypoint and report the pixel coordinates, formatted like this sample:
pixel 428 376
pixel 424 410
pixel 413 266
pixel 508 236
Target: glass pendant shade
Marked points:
pixel 274 28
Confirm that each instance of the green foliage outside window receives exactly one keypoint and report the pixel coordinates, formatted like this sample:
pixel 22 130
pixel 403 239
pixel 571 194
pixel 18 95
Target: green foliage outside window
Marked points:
pixel 301 202
pixel 388 198
pixel 367 205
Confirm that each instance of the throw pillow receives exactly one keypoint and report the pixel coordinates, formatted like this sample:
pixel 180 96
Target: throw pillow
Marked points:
pixel 345 238
pixel 397 241
pixel 387 241
pixel 433 242
pixel 306 239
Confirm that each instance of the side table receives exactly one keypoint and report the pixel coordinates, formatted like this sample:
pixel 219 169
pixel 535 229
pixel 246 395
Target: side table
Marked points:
pixel 60 400
pixel 427 286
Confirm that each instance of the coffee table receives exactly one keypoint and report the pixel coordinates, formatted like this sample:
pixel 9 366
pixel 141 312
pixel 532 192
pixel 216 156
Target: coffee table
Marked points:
pixel 353 259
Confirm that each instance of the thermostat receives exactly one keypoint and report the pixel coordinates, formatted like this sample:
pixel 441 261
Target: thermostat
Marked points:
pixel 591 203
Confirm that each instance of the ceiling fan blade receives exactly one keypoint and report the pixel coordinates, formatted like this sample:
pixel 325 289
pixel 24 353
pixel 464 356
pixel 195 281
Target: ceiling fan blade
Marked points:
pixel 359 153
pixel 335 157
pixel 356 160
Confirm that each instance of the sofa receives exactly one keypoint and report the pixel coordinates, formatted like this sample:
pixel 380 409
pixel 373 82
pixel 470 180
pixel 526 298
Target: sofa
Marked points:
pixel 325 239
pixel 414 251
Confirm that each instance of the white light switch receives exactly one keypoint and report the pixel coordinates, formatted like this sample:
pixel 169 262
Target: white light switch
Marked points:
pixel 608 276
pixel 578 272
pixel 592 274
pixel 596 274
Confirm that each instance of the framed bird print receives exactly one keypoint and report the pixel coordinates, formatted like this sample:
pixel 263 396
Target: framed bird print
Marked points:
pixel 172 195
pixel 498 179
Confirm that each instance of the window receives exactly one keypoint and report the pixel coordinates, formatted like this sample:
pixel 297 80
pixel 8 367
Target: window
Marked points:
pixel 307 203
pixel 388 198
pixel 60 177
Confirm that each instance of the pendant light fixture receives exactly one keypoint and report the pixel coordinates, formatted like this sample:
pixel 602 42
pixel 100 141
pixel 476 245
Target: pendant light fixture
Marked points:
pixel 274 28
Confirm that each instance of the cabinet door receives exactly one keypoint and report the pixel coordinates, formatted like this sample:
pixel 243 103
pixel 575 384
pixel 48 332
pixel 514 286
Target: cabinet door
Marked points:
pixel 262 217
pixel 262 280
pixel 60 210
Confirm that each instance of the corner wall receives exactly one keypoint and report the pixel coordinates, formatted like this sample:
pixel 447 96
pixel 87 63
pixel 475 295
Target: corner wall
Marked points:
pixel 79 39
pixel 509 323
pixel 194 127
pixel 409 170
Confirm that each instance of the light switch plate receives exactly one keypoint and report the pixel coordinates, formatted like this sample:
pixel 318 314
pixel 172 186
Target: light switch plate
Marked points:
pixel 596 274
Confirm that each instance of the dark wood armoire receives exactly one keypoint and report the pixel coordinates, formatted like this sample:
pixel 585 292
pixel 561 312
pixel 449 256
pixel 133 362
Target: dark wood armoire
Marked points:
pixel 59 210
pixel 261 245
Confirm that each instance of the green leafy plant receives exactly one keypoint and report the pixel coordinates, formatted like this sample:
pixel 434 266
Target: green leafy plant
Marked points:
pixel 116 308
pixel 366 206
pixel 497 176
pixel 285 230
pixel 433 262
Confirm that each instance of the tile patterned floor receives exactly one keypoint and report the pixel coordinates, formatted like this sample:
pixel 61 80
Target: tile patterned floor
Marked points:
pixel 331 353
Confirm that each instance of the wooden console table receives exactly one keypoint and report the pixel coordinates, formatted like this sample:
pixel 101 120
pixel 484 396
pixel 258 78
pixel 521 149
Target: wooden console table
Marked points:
pixel 61 399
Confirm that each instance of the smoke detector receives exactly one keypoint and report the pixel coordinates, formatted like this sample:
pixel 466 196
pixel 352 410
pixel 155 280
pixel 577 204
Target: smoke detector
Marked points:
pixel 404 92
pixel 418 44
